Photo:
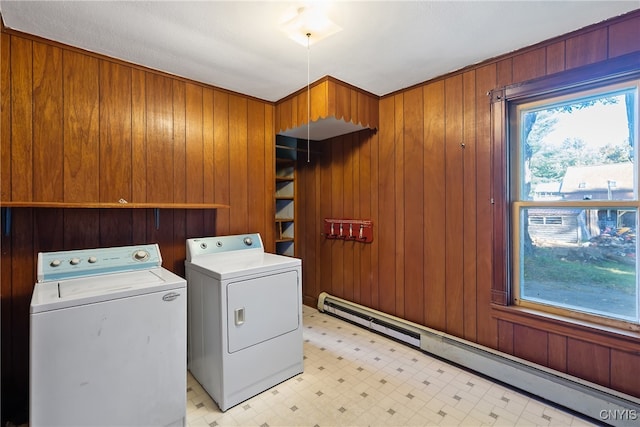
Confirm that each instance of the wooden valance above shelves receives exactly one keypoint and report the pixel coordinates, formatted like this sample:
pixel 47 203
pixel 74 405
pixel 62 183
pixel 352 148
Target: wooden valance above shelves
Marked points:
pixel 329 107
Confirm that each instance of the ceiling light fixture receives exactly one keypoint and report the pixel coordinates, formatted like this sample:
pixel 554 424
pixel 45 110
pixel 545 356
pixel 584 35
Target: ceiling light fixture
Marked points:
pixel 309 20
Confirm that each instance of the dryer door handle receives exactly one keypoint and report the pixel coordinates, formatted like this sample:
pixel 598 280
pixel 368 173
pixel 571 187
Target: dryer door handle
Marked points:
pixel 238 315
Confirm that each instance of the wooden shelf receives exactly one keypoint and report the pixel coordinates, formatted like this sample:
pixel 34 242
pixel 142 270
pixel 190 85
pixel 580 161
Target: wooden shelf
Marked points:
pixel 116 205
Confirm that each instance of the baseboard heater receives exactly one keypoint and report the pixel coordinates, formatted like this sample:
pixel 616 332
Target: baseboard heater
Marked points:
pixel 592 400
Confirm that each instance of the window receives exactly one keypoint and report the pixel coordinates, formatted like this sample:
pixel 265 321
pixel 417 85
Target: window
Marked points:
pixel 573 173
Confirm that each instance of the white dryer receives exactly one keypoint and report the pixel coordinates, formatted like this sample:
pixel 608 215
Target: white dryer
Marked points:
pixel 108 340
pixel 245 317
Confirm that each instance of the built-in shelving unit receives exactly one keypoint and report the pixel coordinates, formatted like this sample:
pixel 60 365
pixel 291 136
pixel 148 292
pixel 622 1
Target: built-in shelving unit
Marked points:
pixel 285 195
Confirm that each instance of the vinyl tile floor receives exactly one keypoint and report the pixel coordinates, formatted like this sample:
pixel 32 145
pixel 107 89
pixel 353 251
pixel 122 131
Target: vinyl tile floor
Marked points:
pixel 354 377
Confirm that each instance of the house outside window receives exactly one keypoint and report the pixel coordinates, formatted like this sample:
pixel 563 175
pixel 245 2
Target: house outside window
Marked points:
pixel 573 173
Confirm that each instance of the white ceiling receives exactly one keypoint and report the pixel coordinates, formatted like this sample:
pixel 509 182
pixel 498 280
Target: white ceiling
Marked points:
pixel 237 45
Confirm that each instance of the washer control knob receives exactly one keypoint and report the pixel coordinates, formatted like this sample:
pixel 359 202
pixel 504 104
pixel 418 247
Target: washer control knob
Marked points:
pixel 247 241
pixel 55 263
pixel 92 259
pixel 74 261
pixel 141 255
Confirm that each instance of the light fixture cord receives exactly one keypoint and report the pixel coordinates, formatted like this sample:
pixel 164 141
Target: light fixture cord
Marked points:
pixel 308 98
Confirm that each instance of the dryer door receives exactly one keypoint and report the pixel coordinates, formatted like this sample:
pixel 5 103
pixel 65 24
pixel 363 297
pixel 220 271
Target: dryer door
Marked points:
pixel 262 308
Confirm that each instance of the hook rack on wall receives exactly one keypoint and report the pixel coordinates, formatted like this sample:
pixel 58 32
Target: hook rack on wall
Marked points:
pixel 358 230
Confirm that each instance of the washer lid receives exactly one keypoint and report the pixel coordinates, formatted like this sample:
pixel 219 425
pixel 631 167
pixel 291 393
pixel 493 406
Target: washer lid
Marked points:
pixel 55 295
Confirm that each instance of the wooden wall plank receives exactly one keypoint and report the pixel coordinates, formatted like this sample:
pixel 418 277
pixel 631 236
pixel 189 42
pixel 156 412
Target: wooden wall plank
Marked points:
pixel 342 101
pixel 557 357
pixel 486 79
pixel 505 336
pixel 269 155
pixel 186 223
pixel 138 136
pixel 366 181
pixel 48 149
pixel 256 169
pixel 82 228
pixel 325 264
pixel 307 223
pixel 115 132
pixel 221 149
pixel 180 168
pixel 624 371
pixel 624 36
pixel 318 104
pixel 376 202
pixel 529 65
pixel 586 48
pixel 588 361
pixel 530 344
pixel 415 187
pixel 23 277
pixel 81 127
pixel 555 57
pixel 238 175
pixel 434 298
pixel 454 205
pixel 398 201
pixel 159 138
pixel 115 227
pixel 208 152
pixel 5 117
pixel 337 211
pixel 138 153
pixel 470 202
pixel 300 109
pixel 346 194
pixel 21 118
pixel 208 161
pixel 194 144
pixel 356 201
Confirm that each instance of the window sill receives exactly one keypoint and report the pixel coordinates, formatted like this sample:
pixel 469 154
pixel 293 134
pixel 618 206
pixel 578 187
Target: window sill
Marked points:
pixel 575 328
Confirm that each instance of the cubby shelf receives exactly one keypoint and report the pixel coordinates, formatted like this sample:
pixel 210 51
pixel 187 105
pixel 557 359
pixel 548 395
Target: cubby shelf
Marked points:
pixel 285 195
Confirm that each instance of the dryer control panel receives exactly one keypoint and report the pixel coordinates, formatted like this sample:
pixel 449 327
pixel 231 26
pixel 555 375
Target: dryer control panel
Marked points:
pixel 222 244
pixel 91 262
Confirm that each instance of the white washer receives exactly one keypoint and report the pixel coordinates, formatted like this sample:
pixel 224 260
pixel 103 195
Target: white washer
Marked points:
pixel 108 340
pixel 245 317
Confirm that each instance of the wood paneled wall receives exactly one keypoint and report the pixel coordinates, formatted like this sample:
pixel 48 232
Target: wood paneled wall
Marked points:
pixel 77 127
pixel 425 179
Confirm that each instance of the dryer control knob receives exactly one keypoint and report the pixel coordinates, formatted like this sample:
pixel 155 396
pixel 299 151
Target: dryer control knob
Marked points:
pixel 92 259
pixel 247 241
pixel 141 255
pixel 74 261
pixel 55 263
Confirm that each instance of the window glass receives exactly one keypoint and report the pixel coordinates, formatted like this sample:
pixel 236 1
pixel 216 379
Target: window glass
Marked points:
pixel 579 263
pixel 579 148
pixel 576 204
